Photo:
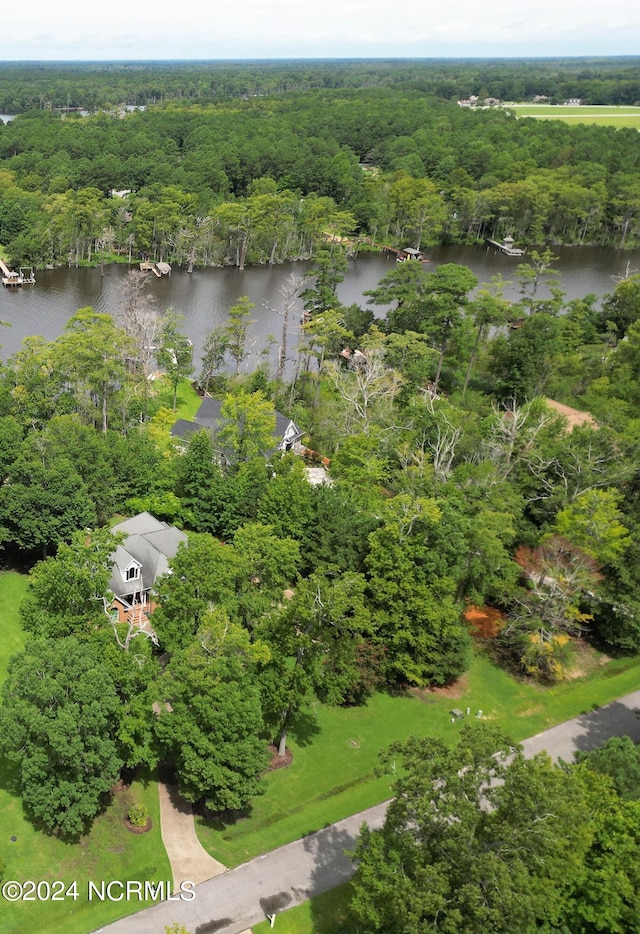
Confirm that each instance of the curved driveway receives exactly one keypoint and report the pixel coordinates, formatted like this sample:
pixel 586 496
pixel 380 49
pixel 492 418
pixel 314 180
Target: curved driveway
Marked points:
pixel 231 903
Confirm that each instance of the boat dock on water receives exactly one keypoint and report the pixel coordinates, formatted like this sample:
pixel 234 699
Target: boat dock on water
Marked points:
pixel 11 278
pixel 506 246
pixel 158 269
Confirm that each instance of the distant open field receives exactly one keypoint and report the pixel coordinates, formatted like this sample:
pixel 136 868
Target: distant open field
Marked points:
pixel 604 116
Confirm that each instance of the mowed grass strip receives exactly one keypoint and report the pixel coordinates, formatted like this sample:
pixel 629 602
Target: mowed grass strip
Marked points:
pixel 109 852
pixel 325 914
pixel 13 589
pixel 600 115
pixel 336 750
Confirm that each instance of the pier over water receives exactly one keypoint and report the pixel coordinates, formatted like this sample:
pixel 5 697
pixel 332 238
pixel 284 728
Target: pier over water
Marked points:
pixel 12 278
pixel 506 246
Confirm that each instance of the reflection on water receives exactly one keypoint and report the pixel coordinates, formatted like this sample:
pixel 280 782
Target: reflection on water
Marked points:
pixel 204 297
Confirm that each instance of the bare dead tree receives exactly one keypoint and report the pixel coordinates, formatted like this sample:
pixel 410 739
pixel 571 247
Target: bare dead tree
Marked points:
pixel 290 293
pixel 363 384
pixel 135 624
pixel 513 435
pixel 558 573
pixel 140 319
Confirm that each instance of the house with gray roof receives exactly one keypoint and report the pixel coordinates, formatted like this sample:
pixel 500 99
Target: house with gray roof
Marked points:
pixel 139 561
pixel 209 416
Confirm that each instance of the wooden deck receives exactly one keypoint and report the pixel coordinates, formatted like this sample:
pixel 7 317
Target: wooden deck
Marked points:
pixel 11 278
pixel 506 247
pixel 158 269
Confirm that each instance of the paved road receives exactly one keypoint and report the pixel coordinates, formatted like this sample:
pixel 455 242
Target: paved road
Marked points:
pixel 231 903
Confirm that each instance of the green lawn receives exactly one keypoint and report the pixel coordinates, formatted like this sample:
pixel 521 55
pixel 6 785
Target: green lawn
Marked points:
pixel 13 588
pixel 324 914
pixel 110 852
pixel 335 753
pixel 188 401
pixel 604 116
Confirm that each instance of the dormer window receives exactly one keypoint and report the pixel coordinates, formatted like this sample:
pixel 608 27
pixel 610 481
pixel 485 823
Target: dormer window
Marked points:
pixel 133 573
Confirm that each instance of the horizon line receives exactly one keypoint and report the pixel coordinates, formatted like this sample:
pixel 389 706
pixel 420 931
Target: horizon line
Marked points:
pixel 320 59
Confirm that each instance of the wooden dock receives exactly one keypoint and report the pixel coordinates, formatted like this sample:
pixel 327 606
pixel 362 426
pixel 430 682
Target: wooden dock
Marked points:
pixel 11 278
pixel 29 277
pixel 158 269
pixel 506 246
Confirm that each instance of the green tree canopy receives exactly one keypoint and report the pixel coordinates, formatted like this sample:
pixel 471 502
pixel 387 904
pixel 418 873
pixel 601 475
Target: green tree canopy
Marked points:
pixel 249 425
pixel 479 838
pixel 59 720
pixel 68 593
pixel 211 730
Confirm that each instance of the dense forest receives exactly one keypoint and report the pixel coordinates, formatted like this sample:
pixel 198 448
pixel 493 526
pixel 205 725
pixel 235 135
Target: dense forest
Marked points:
pixel 456 479
pixel 258 177
pixel 91 85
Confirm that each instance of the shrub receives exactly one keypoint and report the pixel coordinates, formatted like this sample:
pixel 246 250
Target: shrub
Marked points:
pixel 138 815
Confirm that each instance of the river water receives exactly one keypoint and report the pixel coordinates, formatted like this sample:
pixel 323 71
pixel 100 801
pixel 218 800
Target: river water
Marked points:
pixel 204 297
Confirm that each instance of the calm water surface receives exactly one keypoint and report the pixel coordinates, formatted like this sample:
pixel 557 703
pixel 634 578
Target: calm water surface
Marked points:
pixel 204 297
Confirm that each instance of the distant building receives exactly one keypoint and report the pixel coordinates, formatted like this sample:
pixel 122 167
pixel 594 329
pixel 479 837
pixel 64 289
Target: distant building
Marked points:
pixel 474 101
pixel 286 433
pixel 409 253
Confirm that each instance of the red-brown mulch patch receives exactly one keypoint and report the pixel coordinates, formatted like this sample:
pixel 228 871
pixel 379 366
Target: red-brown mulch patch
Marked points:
pixel 133 829
pixel 279 762
pixel 485 622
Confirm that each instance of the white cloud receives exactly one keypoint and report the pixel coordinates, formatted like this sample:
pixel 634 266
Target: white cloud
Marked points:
pixel 200 29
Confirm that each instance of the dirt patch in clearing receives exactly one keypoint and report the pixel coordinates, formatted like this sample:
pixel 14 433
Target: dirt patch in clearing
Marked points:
pixel 484 622
pixel 584 659
pixel 453 691
pixel 574 673
pixel 532 711
pixel 573 416
pixel 279 762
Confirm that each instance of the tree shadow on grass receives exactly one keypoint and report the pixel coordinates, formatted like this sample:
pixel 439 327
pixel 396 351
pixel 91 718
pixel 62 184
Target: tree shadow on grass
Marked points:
pixel 10 777
pixel 304 727
pixel 395 689
pixel 220 820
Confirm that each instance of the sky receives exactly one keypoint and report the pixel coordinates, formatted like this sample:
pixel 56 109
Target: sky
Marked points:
pixel 209 29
